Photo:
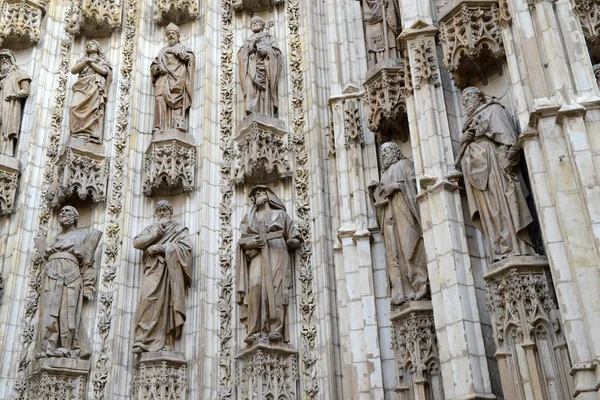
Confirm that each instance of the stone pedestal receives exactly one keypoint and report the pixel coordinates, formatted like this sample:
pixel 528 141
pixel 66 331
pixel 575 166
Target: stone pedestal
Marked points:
pixel 160 375
pixel 415 348
pixel 57 379
pixel 169 163
pixel 261 155
pixel 10 171
pixel 265 371
pixel 81 173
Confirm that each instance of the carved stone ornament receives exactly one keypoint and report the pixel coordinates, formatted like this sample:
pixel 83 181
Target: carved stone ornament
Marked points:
pixel 175 11
pixel 95 18
pixel 160 375
pixel 588 12
pixel 255 5
pixel 20 22
pixel 57 379
pixel 353 129
pixel 169 163
pixel 472 41
pixel 10 171
pixel 81 172
pixel 267 372
pixel 261 154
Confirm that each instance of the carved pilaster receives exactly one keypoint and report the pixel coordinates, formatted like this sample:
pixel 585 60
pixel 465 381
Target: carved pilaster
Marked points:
pixel 472 41
pixel 57 379
pixel 10 171
pixel 161 376
pixel 255 5
pixel 260 151
pixel 20 22
pixel 169 163
pixel 175 11
pixel 95 18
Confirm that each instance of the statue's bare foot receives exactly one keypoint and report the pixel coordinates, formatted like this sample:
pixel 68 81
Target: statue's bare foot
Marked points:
pixel 275 337
pixel 139 348
pixel 397 300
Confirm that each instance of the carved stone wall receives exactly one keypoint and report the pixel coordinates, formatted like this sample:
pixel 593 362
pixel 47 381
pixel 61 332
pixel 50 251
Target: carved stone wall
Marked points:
pixel 20 22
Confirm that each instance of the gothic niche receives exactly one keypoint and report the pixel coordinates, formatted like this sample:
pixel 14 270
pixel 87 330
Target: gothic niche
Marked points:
pixel 20 22
pixel 175 11
pixel 95 18
pixel 170 160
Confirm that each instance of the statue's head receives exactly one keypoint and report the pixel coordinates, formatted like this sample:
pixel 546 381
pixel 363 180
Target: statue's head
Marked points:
pixel 261 195
pixel 7 61
pixel 68 216
pixel 172 32
pixel 257 24
pixel 391 153
pixel 472 98
pixel 164 210
pixel 93 47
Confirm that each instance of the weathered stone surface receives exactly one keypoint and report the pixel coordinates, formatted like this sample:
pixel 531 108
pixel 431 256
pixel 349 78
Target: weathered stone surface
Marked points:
pixel 160 375
pixel 10 171
pixel 58 379
pixel 256 5
pixel 175 11
pixel 21 22
pixel 95 18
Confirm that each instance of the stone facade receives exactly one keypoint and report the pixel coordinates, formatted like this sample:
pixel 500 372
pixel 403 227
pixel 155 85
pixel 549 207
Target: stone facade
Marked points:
pixel 379 278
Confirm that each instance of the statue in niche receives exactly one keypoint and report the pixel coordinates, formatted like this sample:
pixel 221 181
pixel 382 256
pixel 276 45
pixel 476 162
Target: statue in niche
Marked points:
pixel 395 203
pixel 69 277
pixel 173 78
pixel 14 87
pixel 496 194
pixel 381 33
pixel 264 267
pixel 86 114
pixel 167 262
pixel 260 62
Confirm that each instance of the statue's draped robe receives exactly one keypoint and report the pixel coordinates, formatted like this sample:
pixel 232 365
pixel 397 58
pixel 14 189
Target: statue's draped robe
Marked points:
pixel 259 76
pixel 400 223
pixel 496 196
pixel 161 311
pixel 173 91
pixel 263 282
pixel 373 11
pixel 86 114
pixel 10 110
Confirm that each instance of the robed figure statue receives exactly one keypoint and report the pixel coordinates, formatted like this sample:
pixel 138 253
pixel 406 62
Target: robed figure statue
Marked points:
pixel 15 85
pixel 167 261
pixel 496 193
pixel 69 276
pixel 395 203
pixel 260 64
pixel 264 267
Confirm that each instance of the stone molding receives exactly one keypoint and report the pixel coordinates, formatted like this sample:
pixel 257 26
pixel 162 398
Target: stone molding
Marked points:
pixel 256 5
pixel 57 379
pixel 176 11
pixel 10 172
pixel 472 41
pixel 95 18
pixel 20 23
pixel 160 375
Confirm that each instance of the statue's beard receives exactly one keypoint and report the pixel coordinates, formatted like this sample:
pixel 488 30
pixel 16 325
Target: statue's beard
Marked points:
pixel 66 221
pixel 261 201
pixel 172 42
pixel 5 68
pixel 470 108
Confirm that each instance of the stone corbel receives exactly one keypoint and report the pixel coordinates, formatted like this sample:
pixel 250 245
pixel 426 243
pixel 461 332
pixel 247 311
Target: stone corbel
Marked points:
pixel 255 5
pixel 472 41
pixel 95 18
pixel 20 23
pixel 10 171
pixel 160 375
pixel 175 11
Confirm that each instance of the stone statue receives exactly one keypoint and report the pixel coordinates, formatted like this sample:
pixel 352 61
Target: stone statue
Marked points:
pixel 264 266
pixel 14 87
pixel 69 277
pixel 260 64
pixel 381 33
pixel 395 203
pixel 496 194
pixel 173 78
pixel 167 262
pixel 86 114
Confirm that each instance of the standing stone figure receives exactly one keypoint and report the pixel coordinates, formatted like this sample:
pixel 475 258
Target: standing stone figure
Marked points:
pixel 381 33
pixel 394 199
pixel 167 262
pixel 264 266
pixel 496 194
pixel 14 87
pixel 260 63
pixel 86 114
pixel 69 277
pixel 173 78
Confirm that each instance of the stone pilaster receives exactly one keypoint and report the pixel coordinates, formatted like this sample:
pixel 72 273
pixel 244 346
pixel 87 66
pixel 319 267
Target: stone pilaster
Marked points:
pixel 160 375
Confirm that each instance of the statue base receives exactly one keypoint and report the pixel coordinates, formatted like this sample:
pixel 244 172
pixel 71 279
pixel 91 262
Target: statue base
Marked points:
pixel 261 154
pixel 81 173
pixel 169 163
pixel 267 371
pixel 10 172
pixel 160 375
pixel 57 379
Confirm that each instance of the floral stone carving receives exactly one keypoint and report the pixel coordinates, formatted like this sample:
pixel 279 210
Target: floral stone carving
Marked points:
pixel 175 11
pixel 20 22
pixel 95 18
pixel 169 163
pixel 57 379
pixel 10 171
pixel 160 376
pixel 472 41
pixel 261 155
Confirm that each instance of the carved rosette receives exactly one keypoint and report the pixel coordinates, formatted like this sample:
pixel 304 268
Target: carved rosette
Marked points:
pixel 260 151
pixel 10 172
pixel 20 22
pixel 588 12
pixel 169 164
pixel 472 41
pixel 160 376
pixel 57 379
pixel 95 18
pixel 175 11
pixel 255 5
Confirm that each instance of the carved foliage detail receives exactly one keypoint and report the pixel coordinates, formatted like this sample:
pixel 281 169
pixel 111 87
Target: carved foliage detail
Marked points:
pixel 20 23
pixel 56 387
pixel 172 164
pixel 81 174
pixel 353 129
pixel 267 376
pixel 588 12
pixel 164 382
pixel 175 11
pixel 96 18
pixel 424 68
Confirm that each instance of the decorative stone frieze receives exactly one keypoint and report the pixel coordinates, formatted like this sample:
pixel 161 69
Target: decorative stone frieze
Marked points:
pixel 588 12
pixel 472 42
pixel 260 151
pixel 160 375
pixel 169 163
pixel 57 379
pixel 10 171
pixel 96 18
pixel 255 5
pixel 175 11
pixel 20 22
